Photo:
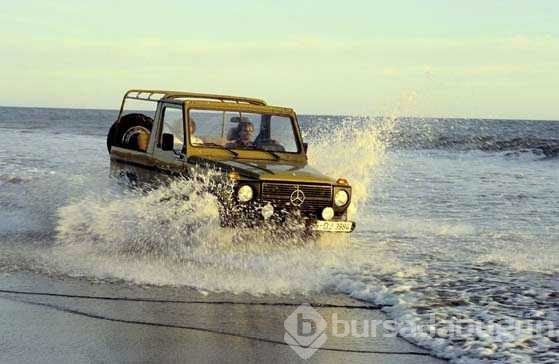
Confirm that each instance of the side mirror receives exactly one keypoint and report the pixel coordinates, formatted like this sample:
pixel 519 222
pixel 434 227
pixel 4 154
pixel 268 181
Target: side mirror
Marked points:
pixel 305 147
pixel 167 141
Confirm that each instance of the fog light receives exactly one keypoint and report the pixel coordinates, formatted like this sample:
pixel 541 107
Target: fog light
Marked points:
pixel 267 211
pixel 327 213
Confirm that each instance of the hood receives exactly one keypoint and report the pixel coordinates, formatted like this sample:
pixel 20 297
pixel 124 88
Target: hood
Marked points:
pixel 266 170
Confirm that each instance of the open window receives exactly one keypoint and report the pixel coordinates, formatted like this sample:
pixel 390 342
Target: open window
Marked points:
pixel 172 125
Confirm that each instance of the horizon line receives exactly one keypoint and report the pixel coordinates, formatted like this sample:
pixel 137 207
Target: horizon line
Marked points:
pixel 307 114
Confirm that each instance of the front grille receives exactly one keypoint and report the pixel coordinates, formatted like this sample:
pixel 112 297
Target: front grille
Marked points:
pixel 317 197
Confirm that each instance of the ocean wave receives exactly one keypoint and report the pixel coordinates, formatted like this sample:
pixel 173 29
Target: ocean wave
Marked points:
pixel 540 147
pixel 540 138
pixel 467 314
pixel 11 179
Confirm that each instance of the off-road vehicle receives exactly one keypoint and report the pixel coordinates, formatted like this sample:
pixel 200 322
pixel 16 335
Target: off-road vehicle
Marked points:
pixel 256 147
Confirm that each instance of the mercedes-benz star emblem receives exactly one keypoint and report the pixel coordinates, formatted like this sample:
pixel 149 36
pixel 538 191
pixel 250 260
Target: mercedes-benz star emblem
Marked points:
pixel 297 197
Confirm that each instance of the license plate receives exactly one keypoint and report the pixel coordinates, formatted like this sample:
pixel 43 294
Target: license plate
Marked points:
pixel 334 226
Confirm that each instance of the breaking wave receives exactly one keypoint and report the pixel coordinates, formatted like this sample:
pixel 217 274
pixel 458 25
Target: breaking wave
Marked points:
pixel 540 147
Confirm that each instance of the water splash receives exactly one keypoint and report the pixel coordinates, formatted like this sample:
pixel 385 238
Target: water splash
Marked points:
pixel 141 223
pixel 172 235
pixel 158 240
pixel 352 149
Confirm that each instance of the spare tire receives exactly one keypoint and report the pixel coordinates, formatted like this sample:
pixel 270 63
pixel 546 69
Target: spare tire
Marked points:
pixel 124 132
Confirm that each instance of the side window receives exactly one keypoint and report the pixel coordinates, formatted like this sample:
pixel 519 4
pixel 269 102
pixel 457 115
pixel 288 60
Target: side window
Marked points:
pixel 173 124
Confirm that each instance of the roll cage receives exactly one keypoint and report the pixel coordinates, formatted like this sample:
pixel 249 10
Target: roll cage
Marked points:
pixel 179 97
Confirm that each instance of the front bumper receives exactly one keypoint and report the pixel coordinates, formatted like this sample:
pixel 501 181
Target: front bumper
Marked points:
pixel 251 216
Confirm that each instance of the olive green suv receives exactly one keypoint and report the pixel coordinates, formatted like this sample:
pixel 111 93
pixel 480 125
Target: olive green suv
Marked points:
pixel 256 147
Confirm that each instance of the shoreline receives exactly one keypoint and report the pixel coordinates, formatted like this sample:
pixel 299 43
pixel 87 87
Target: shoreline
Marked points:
pixel 121 323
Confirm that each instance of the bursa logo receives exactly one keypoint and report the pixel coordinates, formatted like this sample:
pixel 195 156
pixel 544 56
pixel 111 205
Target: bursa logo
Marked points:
pixel 305 331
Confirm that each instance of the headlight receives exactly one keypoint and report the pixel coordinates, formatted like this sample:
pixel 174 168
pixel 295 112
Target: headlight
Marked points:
pixel 340 198
pixel 245 193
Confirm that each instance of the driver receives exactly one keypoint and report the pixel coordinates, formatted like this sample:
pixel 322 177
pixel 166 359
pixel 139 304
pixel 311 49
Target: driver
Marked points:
pixel 244 133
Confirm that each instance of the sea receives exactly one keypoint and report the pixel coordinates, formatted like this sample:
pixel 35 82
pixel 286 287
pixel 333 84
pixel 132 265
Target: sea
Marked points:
pixel 457 236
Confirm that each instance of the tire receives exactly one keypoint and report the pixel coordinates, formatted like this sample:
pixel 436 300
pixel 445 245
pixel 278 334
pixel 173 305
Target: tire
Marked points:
pixel 123 132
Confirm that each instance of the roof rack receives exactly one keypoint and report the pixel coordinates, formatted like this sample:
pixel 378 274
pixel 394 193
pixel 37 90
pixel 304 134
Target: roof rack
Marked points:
pixel 156 95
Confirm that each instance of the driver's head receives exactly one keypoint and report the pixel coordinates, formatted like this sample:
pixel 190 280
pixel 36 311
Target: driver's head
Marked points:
pixel 246 129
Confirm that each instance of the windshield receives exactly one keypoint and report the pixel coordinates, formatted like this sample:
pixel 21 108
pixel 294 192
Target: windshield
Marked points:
pixel 242 130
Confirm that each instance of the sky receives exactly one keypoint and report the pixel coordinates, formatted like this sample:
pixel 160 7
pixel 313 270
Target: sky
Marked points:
pixel 433 58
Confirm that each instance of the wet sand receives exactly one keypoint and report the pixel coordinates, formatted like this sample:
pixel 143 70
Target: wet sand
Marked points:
pixel 61 319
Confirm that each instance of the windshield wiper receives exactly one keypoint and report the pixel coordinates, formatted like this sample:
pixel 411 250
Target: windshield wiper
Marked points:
pixel 222 147
pixel 275 155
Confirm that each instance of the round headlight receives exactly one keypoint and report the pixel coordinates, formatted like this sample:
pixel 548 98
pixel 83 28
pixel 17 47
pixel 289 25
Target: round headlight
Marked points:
pixel 245 193
pixel 340 198
pixel 327 213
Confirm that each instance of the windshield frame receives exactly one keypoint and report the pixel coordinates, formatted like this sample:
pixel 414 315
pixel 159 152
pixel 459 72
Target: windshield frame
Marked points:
pixel 255 109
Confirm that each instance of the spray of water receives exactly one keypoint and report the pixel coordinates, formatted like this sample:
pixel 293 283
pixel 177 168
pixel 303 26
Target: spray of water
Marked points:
pixel 172 235
pixel 351 149
pixel 165 237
